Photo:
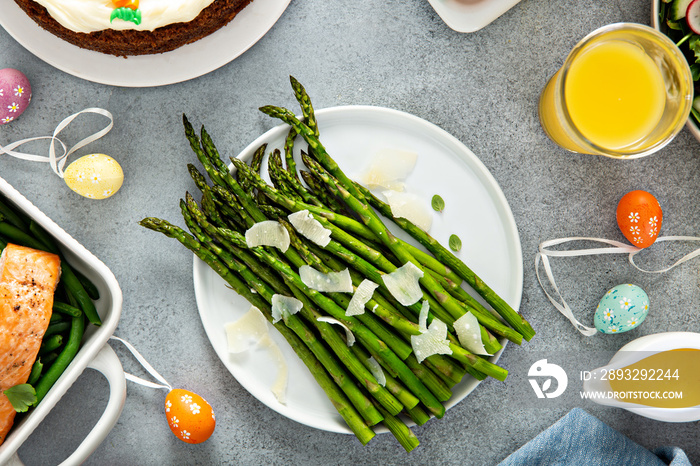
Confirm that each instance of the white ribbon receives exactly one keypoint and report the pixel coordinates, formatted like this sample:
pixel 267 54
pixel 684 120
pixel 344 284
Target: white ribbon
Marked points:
pixel 164 384
pixel 58 162
pixel 558 301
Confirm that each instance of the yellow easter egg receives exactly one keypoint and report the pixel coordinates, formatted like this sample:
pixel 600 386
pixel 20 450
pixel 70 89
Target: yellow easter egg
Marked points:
pixel 95 176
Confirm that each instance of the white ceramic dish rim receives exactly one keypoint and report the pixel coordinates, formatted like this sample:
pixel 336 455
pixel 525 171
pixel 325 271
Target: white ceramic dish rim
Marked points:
pixel 690 124
pixel 185 63
pixel 641 348
pixel 475 164
pixel 94 342
pixel 470 16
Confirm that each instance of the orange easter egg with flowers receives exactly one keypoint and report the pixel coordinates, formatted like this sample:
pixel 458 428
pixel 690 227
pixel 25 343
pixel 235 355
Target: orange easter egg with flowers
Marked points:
pixel 639 217
pixel 189 416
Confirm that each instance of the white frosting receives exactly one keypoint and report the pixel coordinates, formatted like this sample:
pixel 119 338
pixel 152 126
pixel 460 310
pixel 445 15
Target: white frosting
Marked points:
pixel 93 15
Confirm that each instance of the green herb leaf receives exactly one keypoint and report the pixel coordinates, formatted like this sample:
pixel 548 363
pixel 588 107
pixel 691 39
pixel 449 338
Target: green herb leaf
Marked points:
pixel 21 397
pixel 694 46
pixel 695 71
pixel 455 243
pixel 438 203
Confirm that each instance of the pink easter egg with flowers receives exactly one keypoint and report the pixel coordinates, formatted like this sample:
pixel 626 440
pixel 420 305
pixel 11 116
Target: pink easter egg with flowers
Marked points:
pixel 15 94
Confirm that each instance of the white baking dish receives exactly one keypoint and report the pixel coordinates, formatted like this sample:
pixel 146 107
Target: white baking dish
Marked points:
pixel 94 353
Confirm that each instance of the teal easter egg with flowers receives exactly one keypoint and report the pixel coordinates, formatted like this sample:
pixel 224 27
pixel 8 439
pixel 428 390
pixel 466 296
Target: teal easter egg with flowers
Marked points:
pixel 621 309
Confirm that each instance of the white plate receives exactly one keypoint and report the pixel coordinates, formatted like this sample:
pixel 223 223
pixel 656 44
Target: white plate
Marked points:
pixel 475 209
pixel 187 62
pixel 470 15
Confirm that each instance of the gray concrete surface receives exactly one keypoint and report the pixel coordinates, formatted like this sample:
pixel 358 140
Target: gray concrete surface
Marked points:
pixel 482 88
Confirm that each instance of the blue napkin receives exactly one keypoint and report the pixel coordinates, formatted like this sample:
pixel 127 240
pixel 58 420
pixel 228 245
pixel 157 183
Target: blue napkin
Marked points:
pixel 581 439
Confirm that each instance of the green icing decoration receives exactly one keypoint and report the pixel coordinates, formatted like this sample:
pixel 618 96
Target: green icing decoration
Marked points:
pixel 126 14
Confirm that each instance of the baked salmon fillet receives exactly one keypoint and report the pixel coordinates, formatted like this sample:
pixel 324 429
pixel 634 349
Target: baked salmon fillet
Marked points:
pixel 28 279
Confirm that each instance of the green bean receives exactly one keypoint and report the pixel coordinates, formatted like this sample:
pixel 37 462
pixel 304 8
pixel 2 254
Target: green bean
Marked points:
pixel 51 343
pixel 89 286
pixel 47 359
pixel 75 288
pixel 41 235
pixel 56 328
pixel 67 309
pixel 34 375
pixel 15 235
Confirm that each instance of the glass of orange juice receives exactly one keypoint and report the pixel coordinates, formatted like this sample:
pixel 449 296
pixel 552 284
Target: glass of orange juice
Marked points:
pixel 624 91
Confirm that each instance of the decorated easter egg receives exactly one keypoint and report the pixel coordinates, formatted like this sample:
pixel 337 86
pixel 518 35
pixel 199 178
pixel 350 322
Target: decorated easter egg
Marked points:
pixel 96 176
pixel 190 417
pixel 639 217
pixel 15 94
pixel 621 309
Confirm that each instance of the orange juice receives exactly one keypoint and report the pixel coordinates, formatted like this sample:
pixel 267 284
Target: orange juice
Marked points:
pixel 615 94
pixel 624 91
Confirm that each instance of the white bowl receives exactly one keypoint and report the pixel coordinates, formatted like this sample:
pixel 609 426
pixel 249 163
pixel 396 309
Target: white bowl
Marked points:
pixel 94 352
pixel 633 352
pixel 690 124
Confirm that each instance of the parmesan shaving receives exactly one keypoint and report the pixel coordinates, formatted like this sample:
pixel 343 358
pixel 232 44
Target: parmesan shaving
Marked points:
pixel 251 330
pixel 284 306
pixel 411 207
pixel 332 282
pixel 310 228
pixel 469 334
pixel 434 341
pixel 363 293
pixel 268 233
pixel 403 284
pixel 349 336
pixel 389 169
pixel 377 371
pixel 423 316
pixel 246 332
pixel 279 386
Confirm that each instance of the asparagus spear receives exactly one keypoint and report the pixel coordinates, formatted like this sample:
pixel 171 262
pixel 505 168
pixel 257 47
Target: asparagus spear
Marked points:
pixel 289 153
pixel 305 104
